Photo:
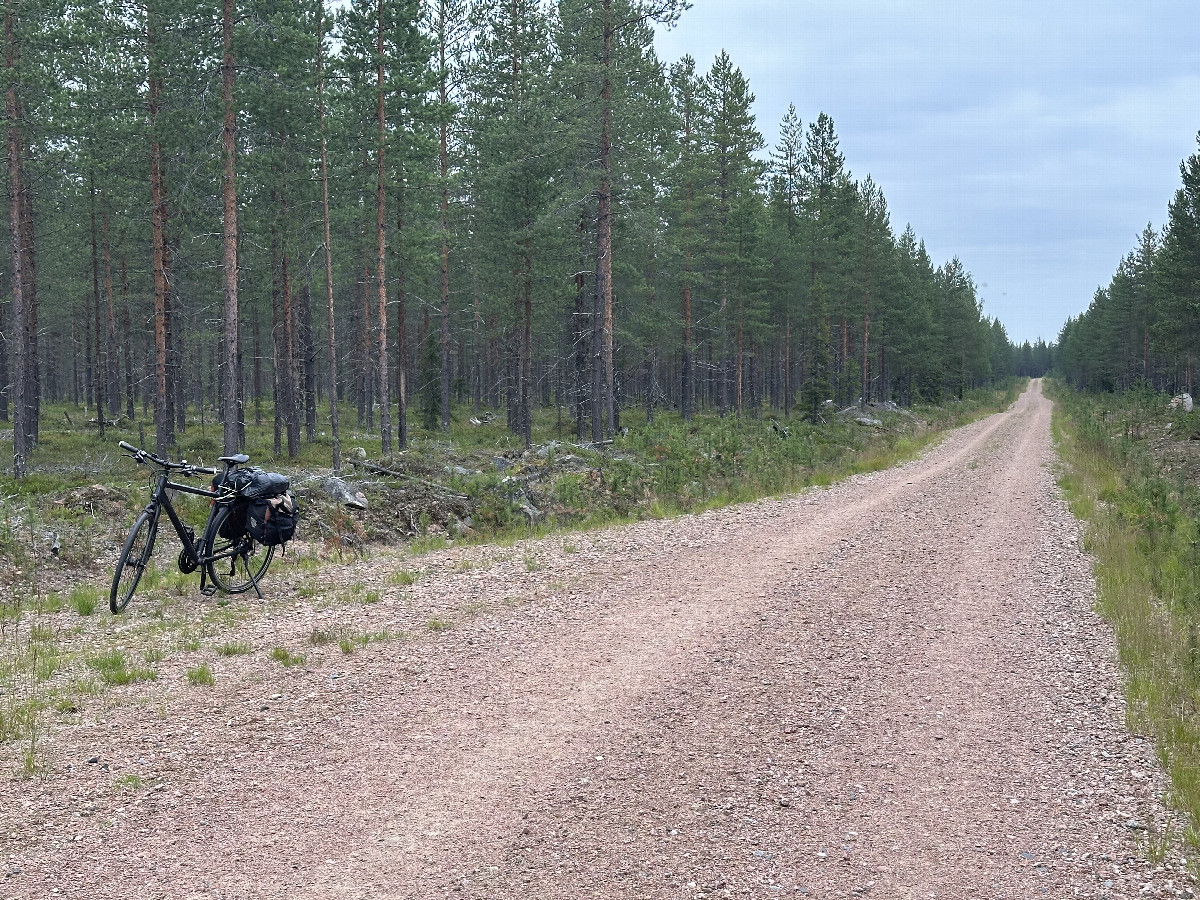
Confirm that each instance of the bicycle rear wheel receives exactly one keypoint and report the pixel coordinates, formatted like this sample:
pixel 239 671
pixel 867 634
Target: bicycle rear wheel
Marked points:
pixel 135 555
pixel 240 561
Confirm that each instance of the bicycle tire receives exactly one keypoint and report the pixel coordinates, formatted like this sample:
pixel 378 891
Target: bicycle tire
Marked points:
pixel 243 560
pixel 135 555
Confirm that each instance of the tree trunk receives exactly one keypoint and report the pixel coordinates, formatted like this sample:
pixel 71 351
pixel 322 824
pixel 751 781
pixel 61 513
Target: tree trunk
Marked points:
pixel 112 386
pixel 602 369
pixel 4 385
pixel 33 389
pixel 163 422
pixel 443 219
pixel 291 416
pixel 402 363
pixel 526 360
pixel 331 336
pixel 99 369
pixel 128 342
pixel 21 443
pixel 231 382
pixel 385 411
pixel 579 336
pixel 738 361
pixel 308 363
pixel 279 403
pixel 256 385
pixel 787 365
pixel 476 350
pixel 866 357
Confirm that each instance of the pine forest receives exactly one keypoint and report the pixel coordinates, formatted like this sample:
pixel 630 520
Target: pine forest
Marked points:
pixel 232 212
pixel 1141 330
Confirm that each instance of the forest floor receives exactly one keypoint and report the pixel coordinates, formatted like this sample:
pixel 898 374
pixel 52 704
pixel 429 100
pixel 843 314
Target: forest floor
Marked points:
pixel 895 687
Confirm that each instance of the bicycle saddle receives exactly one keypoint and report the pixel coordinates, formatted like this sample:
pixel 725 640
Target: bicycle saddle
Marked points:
pixel 237 459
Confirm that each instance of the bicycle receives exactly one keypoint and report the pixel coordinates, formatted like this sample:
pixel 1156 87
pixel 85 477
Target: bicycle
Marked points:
pixel 222 548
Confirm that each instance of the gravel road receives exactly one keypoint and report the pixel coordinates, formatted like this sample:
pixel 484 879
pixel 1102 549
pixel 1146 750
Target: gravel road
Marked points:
pixel 895 687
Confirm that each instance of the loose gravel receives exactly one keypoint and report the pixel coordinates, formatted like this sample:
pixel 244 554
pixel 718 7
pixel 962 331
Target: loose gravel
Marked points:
pixel 895 687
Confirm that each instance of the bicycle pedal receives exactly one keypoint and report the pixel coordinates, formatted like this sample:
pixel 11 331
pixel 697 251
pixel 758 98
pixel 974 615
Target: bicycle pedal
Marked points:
pixel 208 590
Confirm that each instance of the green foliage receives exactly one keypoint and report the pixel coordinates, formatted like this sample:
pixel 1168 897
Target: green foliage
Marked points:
pixel 533 94
pixel 113 668
pixel 430 391
pixel 285 657
pixel 84 599
pixel 404 577
pixel 200 676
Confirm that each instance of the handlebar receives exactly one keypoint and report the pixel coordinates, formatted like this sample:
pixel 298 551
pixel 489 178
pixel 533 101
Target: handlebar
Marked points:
pixel 184 468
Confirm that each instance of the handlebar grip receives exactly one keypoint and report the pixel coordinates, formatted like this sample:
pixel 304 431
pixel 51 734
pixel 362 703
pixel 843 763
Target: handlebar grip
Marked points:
pixel 204 470
pixel 124 446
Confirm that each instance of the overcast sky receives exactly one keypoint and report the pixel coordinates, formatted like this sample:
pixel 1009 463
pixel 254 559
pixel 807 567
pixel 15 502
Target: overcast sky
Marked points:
pixel 1033 140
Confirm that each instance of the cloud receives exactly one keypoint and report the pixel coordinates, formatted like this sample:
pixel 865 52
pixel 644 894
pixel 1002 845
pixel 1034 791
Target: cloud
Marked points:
pixel 1033 140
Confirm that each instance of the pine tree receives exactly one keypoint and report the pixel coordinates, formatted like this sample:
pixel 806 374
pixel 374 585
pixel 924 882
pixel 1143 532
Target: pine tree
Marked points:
pixel 609 39
pixel 231 383
pixel 508 115
pixel 786 203
pixel 1178 270
pixel 430 381
pixel 731 143
pixel 686 174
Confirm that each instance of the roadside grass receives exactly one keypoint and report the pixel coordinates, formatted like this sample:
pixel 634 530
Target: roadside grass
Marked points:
pixel 1142 530
pixel 113 668
pixel 84 599
pixel 286 658
pixel 348 639
pixel 673 468
pixel 200 676
pixel 404 577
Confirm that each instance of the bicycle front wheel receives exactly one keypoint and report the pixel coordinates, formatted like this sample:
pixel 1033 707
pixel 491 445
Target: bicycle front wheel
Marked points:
pixel 235 564
pixel 135 556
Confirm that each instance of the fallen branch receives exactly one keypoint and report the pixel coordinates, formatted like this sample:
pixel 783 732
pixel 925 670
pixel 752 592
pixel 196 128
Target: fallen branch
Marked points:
pixel 380 470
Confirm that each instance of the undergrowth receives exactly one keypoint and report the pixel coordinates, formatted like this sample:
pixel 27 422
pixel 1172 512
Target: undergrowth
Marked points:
pixel 1142 529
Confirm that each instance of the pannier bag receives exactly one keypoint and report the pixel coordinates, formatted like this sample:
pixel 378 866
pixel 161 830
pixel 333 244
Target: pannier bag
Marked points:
pixel 234 525
pixel 252 484
pixel 272 520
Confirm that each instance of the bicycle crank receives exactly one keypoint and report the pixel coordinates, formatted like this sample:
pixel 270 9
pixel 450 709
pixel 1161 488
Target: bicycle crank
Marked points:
pixel 188 563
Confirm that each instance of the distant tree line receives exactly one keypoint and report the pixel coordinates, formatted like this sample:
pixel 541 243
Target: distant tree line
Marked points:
pixel 242 208
pixel 1144 327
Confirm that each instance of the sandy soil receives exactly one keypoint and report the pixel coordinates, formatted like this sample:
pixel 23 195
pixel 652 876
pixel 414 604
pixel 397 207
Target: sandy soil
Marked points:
pixel 896 687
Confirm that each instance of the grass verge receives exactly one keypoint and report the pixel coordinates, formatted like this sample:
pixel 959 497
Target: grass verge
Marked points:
pixel 1142 532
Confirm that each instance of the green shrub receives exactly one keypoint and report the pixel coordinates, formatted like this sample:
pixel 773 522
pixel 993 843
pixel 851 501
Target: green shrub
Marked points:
pixel 284 657
pixel 200 675
pixel 83 600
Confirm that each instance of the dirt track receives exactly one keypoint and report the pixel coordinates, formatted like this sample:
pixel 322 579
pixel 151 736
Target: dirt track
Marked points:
pixel 895 687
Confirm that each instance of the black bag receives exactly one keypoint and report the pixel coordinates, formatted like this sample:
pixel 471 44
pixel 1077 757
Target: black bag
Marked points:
pixel 272 520
pixel 260 485
pixel 252 484
pixel 234 525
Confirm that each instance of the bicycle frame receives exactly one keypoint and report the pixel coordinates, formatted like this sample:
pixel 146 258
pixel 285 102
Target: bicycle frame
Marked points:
pixel 160 500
